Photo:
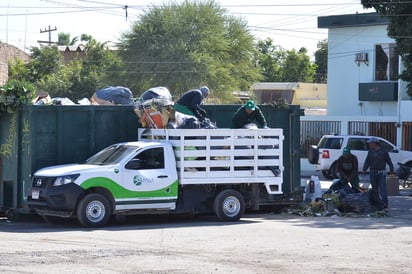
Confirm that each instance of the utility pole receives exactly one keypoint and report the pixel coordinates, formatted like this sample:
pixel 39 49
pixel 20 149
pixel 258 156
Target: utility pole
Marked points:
pixel 49 30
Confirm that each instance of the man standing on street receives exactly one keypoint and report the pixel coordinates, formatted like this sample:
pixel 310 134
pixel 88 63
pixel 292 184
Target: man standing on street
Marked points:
pixel 376 161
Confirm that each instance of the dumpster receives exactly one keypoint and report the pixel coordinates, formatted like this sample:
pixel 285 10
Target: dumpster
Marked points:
pixel 38 136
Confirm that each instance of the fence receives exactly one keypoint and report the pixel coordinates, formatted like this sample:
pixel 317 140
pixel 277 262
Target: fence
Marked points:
pixel 314 127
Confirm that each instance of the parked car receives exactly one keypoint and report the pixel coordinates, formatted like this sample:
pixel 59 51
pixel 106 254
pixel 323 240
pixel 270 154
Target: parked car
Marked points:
pixel 324 155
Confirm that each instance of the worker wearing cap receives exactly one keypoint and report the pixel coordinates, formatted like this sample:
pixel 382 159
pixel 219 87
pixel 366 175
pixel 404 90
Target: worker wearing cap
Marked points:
pixel 190 102
pixel 376 161
pixel 248 113
pixel 347 168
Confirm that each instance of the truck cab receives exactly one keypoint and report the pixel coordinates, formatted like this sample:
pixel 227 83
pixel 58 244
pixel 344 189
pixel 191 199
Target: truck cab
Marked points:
pixel 122 177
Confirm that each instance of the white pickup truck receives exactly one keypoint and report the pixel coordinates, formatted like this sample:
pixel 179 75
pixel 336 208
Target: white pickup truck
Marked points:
pixel 167 171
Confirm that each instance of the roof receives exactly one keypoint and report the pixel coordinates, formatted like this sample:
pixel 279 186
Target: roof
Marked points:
pixel 307 95
pixel 351 20
pixel 275 85
pixel 70 48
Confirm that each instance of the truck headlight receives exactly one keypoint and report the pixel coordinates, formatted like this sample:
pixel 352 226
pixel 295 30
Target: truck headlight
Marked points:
pixel 67 179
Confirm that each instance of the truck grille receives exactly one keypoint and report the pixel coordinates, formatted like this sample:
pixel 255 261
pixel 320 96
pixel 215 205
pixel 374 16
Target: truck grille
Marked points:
pixel 41 181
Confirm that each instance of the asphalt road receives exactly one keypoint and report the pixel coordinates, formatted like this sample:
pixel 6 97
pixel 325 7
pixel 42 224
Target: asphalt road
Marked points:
pixel 258 243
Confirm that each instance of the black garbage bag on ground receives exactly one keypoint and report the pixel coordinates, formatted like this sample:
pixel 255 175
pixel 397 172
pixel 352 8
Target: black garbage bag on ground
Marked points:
pixel 362 203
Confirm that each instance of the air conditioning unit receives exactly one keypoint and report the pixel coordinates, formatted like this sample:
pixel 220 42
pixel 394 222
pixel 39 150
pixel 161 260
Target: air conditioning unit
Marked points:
pixel 361 57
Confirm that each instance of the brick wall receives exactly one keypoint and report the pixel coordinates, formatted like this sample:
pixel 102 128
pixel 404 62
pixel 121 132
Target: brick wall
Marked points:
pixel 7 53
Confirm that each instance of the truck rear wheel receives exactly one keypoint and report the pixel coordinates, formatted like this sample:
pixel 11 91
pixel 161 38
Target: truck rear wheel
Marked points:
pixel 229 205
pixel 93 210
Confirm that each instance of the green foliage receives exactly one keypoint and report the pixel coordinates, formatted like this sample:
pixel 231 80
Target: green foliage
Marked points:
pixel 96 60
pixel 80 78
pixel 44 61
pixel 59 84
pixel 14 94
pixel 63 39
pixel 281 65
pixel 297 67
pixel 321 60
pixel 400 29
pixel 188 45
pixel 270 58
pixel 18 70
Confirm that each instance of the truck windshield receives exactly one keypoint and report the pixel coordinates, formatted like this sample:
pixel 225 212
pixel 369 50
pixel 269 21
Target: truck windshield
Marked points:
pixel 111 155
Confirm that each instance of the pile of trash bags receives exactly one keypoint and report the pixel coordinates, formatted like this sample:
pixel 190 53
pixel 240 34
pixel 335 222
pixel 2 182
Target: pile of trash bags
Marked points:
pixel 154 107
pixel 362 202
pixel 155 110
pixel 339 199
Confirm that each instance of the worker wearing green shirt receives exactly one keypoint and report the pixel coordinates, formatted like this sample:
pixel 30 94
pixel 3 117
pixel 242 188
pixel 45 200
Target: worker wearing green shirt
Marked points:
pixel 248 113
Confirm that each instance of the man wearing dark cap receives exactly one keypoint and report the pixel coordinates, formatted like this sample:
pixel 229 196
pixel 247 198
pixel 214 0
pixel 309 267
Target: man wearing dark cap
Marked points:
pixel 248 113
pixel 376 161
pixel 190 103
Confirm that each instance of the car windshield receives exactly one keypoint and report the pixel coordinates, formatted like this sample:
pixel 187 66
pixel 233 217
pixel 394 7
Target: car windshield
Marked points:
pixel 331 142
pixel 111 155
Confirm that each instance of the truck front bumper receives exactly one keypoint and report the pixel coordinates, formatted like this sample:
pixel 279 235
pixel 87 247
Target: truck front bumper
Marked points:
pixel 55 201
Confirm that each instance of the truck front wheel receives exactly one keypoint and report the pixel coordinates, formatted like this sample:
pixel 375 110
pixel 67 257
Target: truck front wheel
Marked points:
pixel 229 205
pixel 93 210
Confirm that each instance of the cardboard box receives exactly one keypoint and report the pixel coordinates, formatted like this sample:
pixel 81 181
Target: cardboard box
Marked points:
pixel 392 185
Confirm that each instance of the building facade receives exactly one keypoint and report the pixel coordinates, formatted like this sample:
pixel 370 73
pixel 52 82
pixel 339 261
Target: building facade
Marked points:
pixel 363 91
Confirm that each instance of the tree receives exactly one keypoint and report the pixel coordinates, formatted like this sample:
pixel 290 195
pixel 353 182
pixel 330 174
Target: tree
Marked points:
pixel 321 60
pixel 80 78
pixel 92 70
pixel 188 45
pixel 399 28
pixel 270 58
pixel 280 65
pixel 297 67
pixel 44 61
pixel 64 39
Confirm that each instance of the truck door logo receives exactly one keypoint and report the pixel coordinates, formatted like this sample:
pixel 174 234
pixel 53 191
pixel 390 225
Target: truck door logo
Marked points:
pixel 137 180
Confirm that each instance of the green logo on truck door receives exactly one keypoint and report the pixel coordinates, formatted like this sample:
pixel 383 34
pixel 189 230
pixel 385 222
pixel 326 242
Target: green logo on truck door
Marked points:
pixel 137 180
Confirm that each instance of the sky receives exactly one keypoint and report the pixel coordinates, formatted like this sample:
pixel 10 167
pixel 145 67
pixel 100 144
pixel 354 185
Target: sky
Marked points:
pixel 290 24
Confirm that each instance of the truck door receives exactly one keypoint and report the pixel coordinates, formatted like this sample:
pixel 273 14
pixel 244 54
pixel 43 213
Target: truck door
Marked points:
pixel 147 181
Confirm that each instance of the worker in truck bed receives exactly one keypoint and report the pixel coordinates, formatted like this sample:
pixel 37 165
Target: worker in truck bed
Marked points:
pixel 248 113
pixel 190 102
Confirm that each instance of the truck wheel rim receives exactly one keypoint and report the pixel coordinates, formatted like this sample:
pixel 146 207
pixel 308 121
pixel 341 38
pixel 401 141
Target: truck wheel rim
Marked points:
pixel 95 211
pixel 231 206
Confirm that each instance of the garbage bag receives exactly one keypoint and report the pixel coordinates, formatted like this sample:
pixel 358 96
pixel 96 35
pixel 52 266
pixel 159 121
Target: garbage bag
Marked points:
pixel 362 203
pixel 111 95
pixel 190 123
pixel 155 108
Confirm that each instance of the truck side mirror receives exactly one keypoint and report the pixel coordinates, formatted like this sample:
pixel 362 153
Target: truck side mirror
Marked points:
pixel 134 164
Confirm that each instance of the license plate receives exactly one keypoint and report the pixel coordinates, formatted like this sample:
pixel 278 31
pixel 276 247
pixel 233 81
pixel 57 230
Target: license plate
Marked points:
pixel 35 194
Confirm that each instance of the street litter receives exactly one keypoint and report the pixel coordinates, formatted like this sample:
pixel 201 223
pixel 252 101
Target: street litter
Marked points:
pixel 342 201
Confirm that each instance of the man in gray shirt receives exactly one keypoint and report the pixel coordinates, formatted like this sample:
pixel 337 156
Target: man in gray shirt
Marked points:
pixel 376 161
